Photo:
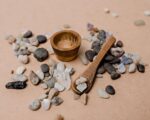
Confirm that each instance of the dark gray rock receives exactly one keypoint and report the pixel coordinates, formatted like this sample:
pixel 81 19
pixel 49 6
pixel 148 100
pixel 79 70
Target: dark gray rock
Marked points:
pixel 141 68
pixel 101 69
pixel 41 54
pixel 119 43
pixel 95 43
pixel 96 49
pixel 101 35
pixel 16 85
pixel 44 68
pixel 110 90
pixel 125 60
pixel 109 57
pixel 28 34
pixel 90 55
pixel 109 68
pixel 115 75
pixel 41 38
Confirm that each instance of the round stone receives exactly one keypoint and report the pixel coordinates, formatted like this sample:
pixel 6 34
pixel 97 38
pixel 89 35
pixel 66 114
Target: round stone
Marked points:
pixel 132 68
pixel 45 68
pixel 90 55
pixel 41 54
pixel 35 105
pixel 27 34
pixel 103 94
pixel 110 90
pixel 23 59
pixel 115 75
pixel 121 68
pixel 119 43
pixel 96 49
pixel 34 78
pixel 41 38
pixel 141 68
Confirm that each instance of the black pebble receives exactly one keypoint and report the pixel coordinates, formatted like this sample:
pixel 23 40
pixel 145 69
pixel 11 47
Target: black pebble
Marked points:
pixel 90 55
pixel 45 68
pixel 101 69
pixel 141 68
pixel 109 68
pixel 110 90
pixel 119 43
pixel 16 85
pixel 116 60
pixel 41 54
pixel 28 34
pixel 109 57
pixel 115 75
pixel 41 38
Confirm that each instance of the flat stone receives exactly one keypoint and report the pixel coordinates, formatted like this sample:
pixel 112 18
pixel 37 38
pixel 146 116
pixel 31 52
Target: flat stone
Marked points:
pixel 59 87
pixel 83 59
pixel 16 85
pixel 23 59
pixel 139 22
pixel 121 68
pixel 46 103
pixel 41 54
pixel 95 43
pixel 19 77
pixel 90 55
pixel 132 68
pixel 110 90
pixel 34 78
pixel 81 87
pixel 44 68
pixel 141 68
pixel 81 80
pixel 53 92
pixel 20 70
pixel 84 99
pixel 11 39
pixel 35 105
pixel 103 94
pixel 41 38
pixel 40 74
pixel 57 101
pixel 27 34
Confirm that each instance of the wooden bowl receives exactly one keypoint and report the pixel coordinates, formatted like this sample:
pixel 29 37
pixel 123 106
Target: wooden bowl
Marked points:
pixel 66 44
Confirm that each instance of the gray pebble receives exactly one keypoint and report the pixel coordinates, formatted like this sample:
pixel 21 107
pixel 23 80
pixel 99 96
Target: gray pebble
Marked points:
pixel 57 101
pixel 139 22
pixel 27 34
pixel 90 55
pixel 41 38
pixel 103 94
pixel 35 105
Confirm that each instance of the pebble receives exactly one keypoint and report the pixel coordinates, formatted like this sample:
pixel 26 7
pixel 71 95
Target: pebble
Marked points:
pixel 99 76
pixel 101 69
pixel 90 55
pixel 147 13
pixel 19 77
pixel 81 80
pixel 101 36
pixel 57 101
pixel 41 38
pixel 119 43
pixel 44 85
pixel 23 51
pixel 110 90
pixel 81 87
pixel 41 54
pixel 15 46
pixel 109 57
pixel 51 82
pixel 20 70
pixel 32 49
pixel 43 96
pixel 132 68
pixel 34 78
pixel 126 60
pixel 106 10
pixel 27 34
pixel 11 39
pixel 84 99
pixel 115 15
pixel 53 92
pixel 141 68
pixel 121 68
pixel 40 74
pixel 44 68
pixel 46 103
pixel 96 49
pixel 60 67
pixel 16 85
pixel 117 52
pixel 103 94
pixel 116 60
pixel 83 59
pixel 109 68
pixel 59 87
pixel 23 59
pixel 35 105
pixel 139 22
pixel 115 75
pixel 34 42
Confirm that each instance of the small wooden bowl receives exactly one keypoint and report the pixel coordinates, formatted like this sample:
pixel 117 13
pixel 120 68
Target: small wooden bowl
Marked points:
pixel 66 44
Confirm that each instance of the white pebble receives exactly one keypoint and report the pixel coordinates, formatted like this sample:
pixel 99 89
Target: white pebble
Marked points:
pixel 81 80
pixel 44 85
pixel 83 59
pixel 23 59
pixel 46 104
pixel 21 70
pixel 147 13
pixel 35 105
pixel 132 68
pixel 121 68
pixel 40 74
pixel 103 94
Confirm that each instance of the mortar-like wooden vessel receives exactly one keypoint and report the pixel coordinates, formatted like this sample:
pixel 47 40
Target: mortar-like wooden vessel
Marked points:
pixel 66 44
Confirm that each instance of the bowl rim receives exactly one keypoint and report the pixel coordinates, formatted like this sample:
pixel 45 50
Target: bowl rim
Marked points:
pixel 65 31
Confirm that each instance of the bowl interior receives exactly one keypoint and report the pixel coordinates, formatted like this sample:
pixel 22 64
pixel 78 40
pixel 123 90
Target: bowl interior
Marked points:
pixel 66 40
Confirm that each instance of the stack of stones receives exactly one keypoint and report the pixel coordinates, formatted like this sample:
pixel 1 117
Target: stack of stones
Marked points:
pixel 26 43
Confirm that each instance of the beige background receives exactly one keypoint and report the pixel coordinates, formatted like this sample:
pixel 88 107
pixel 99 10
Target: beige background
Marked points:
pixel 132 99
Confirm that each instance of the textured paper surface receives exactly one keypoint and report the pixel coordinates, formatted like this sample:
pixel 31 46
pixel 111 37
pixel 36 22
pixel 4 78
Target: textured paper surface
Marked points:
pixel 132 99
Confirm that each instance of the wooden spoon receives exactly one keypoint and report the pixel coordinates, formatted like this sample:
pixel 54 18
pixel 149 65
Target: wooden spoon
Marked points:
pixel 90 72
